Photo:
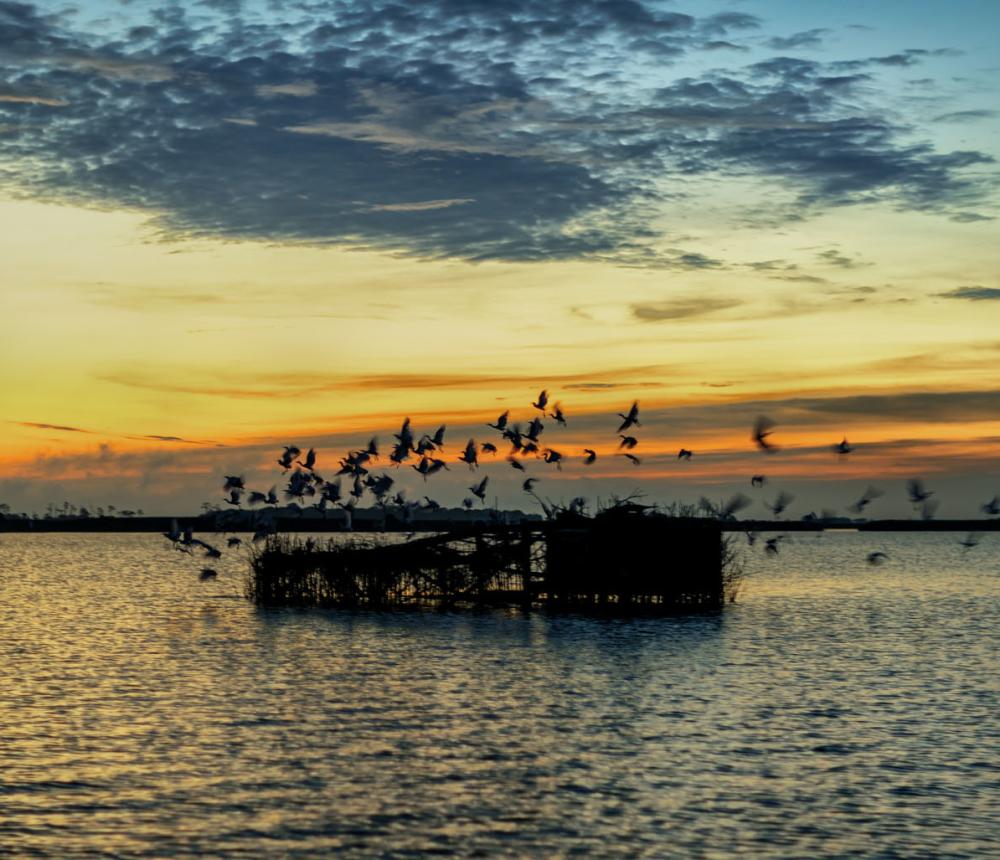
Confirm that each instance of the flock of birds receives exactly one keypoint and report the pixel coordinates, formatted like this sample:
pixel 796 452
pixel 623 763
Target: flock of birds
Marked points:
pixel 354 477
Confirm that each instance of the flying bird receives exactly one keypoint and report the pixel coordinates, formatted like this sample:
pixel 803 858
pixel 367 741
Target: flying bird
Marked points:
pixel 529 485
pixel 591 456
pixel 501 424
pixel 762 428
pixel 469 455
pixel 866 499
pixel 287 459
pixel 780 503
pixel 233 482
pixel 992 507
pixel 971 540
pixel 758 481
pixel 479 490
pixel 206 574
pixel 636 461
pixel 310 460
pixel 917 493
pixel 628 442
pixel 515 463
pixel 553 456
pixel 877 558
pixel 630 420
pixel 684 454
pixel 488 448
pixel 557 414
pixel 543 401
pixel 843 448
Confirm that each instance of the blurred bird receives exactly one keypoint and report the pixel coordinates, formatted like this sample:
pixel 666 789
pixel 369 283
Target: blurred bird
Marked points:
pixel 515 463
pixel 234 497
pixel 206 574
pixel 758 481
pixel 310 460
pixel 631 419
pixel 636 461
pixel 866 499
pixel 529 485
pixel 287 459
pixel 488 448
pixel 591 456
pixel 501 424
pixel 778 506
pixel 992 507
pixel 479 490
pixel 628 442
pixel 971 540
pixel 843 448
pixel 915 490
pixel 233 482
pixel 543 401
pixel 469 455
pixel 684 454
pixel 557 414
pixel 234 541
pixel 876 558
pixel 553 456
pixel 773 545
pixel 763 428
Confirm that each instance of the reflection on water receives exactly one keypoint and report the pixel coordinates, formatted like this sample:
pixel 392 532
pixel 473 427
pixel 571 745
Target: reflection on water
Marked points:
pixel 837 709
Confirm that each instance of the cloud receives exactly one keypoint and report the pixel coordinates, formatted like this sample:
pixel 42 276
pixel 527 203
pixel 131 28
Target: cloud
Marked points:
pixel 805 39
pixel 676 309
pixel 421 205
pixel 515 130
pixel 974 294
pixel 965 115
pixel 62 427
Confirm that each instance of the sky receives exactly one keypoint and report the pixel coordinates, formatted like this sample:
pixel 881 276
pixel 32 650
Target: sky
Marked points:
pixel 232 226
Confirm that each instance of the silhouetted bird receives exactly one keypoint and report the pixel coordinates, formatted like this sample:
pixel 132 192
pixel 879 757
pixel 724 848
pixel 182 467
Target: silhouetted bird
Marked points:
pixel 468 503
pixel 287 459
pixel 174 535
pixel 773 545
pixel 234 497
pixel 501 424
pixel 233 482
pixel 535 429
pixel 636 461
pixel 628 442
pixel 915 490
pixel 684 454
pixel 762 428
pixel 479 490
pixel 431 504
pixel 529 485
pixel 878 557
pixel 469 455
pixel 310 460
pixel 783 500
pixel 553 456
pixel 557 414
pixel 992 507
pixel 515 463
pixel 631 419
pixel 866 499
pixel 758 481
pixel 842 448
pixel 234 541
pixel 733 506
pixel 591 456
pixel 543 400
pixel 488 448
pixel 207 573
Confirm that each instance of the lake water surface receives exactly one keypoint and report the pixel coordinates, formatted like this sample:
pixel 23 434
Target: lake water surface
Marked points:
pixel 836 709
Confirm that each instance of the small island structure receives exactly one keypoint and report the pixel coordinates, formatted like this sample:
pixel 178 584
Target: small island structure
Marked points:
pixel 624 559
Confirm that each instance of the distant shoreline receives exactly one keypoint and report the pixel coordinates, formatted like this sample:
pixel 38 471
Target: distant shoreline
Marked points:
pixel 363 523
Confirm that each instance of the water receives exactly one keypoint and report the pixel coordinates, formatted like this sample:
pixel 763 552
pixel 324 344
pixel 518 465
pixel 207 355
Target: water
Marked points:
pixel 836 709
